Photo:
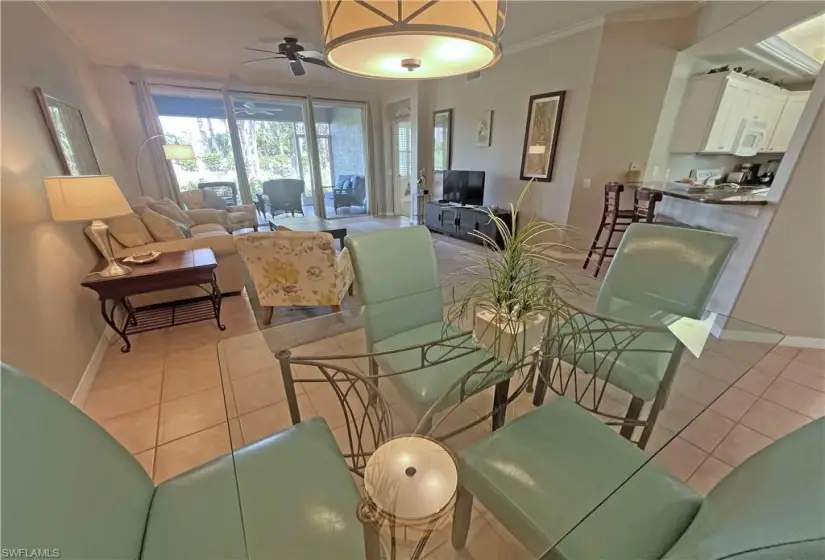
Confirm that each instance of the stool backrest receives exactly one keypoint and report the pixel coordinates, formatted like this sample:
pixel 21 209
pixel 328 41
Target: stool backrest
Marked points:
pixel 612 197
pixel 644 205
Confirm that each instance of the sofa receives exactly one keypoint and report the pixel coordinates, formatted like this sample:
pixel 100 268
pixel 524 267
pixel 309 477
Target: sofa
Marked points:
pixel 214 196
pixel 208 232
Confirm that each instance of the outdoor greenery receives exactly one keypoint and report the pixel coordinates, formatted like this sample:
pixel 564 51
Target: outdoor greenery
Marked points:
pixel 271 150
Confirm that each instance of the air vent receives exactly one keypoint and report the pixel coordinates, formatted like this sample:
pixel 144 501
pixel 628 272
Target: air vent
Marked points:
pixel 473 76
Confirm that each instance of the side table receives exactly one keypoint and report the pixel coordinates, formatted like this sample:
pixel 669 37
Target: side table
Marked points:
pixel 172 270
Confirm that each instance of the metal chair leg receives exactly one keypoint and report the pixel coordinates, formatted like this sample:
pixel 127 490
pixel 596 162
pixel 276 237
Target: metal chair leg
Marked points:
pixel 462 516
pixel 500 396
pixel 633 412
pixel 372 541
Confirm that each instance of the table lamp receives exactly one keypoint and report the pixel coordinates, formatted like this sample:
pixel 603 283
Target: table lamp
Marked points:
pixel 90 197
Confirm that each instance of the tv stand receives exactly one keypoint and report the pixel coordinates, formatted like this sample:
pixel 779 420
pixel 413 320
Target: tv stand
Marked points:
pixel 461 221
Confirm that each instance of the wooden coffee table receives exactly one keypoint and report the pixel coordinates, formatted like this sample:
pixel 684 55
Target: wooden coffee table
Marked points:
pixel 316 224
pixel 172 270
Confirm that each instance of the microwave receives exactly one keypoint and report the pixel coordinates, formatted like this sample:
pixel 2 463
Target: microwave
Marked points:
pixel 751 137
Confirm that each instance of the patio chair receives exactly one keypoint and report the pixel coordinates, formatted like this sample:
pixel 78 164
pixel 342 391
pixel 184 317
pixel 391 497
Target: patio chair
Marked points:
pixel 226 190
pixel 349 190
pixel 285 195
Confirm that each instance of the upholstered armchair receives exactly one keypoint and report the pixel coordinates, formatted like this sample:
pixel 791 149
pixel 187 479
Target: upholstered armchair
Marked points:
pixel 349 190
pixel 285 195
pixel 295 268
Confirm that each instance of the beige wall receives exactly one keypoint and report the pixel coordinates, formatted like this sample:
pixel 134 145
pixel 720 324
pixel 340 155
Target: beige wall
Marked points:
pixel 565 64
pixel 635 64
pixel 785 288
pixel 50 324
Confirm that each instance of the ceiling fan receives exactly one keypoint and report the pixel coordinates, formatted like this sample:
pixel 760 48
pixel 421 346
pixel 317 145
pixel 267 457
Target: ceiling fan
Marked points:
pixel 249 108
pixel 294 52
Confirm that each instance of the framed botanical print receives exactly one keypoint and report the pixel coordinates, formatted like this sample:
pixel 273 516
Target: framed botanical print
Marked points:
pixel 442 139
pixel 541 136
pixel 69 134
pixel 484 129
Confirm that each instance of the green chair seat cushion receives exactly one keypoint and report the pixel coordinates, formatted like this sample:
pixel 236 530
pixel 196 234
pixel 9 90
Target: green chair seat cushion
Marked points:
pixel 542 473
pixel 638 368
pixel 197 515
pixel 771 507
pixel 425 386
pixel 298 497
pixel 67 484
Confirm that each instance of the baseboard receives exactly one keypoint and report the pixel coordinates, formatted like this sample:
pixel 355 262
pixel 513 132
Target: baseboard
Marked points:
pixel 803 342
pixel 89 375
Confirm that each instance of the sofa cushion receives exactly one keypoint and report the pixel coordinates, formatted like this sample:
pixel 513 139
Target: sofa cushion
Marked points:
pixel 208 229
pixel 547 470
pixel 168 208
pixel 129 230
pixel 140 202
pixel 193 199
pixel 161 227
pixel 294 490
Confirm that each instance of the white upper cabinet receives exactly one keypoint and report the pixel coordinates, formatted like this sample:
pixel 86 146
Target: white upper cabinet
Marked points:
pixel 715 108
pixel 786 124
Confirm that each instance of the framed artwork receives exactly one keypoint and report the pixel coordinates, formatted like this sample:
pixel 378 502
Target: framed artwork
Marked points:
pixel 484 129
pixel 69 134
pixel 541 136
pixel 442 139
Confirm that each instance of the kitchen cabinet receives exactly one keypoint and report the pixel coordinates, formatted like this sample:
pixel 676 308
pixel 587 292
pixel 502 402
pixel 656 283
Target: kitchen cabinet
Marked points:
pixel 714 106
pixel 788 119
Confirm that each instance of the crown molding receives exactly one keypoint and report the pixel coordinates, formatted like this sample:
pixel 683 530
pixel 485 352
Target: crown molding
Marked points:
pixel 55 19
pixel 554 35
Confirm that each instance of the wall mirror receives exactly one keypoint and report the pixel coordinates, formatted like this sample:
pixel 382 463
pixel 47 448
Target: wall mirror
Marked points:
pixel 69 134
pixel 442 139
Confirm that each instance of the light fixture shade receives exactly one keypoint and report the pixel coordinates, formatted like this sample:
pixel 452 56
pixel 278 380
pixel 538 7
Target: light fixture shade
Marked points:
pixel 412 39
pixel 178 151
pixel 85 197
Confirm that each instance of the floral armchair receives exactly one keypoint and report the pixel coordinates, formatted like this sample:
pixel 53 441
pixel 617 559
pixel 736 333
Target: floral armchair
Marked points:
pixel 295 268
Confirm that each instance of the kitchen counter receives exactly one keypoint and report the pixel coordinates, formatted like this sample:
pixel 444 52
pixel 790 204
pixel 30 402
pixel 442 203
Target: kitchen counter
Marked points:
pixel 711 195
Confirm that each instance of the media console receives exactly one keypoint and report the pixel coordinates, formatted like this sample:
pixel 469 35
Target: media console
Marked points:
pixel 461 221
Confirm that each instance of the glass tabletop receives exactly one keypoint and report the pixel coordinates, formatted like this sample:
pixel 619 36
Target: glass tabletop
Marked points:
pixel 422 365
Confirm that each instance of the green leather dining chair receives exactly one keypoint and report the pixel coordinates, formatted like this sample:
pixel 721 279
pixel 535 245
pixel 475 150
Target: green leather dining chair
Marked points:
pixel 657 270
pixel 68 485
pixel 397 276
pixel 543 474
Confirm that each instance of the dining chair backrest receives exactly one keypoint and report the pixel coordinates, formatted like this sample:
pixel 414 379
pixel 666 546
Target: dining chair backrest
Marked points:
pixel 67 484
pixel 771 507
pixel 664 268
pixel 397 277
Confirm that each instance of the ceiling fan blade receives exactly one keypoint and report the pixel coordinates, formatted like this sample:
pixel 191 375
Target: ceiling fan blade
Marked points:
pixel 315 61
pixel 296 67
pixel 260 59
pixel 312 54
pixel 261 50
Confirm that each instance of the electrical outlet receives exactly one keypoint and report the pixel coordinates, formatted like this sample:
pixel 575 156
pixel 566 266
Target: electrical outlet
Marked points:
pixel 586 183
pixel 634 166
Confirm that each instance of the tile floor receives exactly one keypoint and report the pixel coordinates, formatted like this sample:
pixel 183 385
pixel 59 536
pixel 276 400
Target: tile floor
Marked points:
pixel 169 405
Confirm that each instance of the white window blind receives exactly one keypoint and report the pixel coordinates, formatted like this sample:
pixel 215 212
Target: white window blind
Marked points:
pixel 404 134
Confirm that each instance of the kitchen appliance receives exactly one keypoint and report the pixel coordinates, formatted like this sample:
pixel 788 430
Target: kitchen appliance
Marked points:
pixel 767 171
pixel 748 171
pixel 751 137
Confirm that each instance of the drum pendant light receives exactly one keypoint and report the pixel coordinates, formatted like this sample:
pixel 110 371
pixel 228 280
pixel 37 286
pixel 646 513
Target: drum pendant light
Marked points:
pixel 412 39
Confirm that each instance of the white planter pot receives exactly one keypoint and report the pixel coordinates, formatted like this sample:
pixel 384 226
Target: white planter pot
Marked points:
pixel 507 339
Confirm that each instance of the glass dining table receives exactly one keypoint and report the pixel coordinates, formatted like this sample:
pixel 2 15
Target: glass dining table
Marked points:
pixel 403 416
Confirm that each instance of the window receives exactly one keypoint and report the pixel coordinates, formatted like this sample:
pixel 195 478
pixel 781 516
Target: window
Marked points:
pixel 404 149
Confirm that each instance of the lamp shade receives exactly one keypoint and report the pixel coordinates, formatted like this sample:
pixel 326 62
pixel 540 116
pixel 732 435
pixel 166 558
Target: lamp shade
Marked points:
pixel 412 39
pixel 85 197
pixel 178 151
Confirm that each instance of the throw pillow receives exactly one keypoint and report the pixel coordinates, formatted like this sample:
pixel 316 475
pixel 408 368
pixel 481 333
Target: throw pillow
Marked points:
pixel 161 227
pixel 168 208
pixel 129 230
pixel 193 199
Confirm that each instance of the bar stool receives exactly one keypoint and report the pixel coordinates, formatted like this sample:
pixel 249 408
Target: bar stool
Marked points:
pixel 644 205
pixel 614 220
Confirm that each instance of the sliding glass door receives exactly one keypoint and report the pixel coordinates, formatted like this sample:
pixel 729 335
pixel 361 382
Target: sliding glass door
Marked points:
pixel 342 153
pixel 198 118
pixel 284 166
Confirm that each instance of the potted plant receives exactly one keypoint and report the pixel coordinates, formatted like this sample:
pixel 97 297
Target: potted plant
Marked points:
pixel 512 299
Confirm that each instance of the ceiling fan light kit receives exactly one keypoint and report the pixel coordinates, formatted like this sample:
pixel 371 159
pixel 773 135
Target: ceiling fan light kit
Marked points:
pixel 412 39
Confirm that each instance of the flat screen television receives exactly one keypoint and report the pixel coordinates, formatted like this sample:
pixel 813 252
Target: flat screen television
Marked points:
pixel 464 187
